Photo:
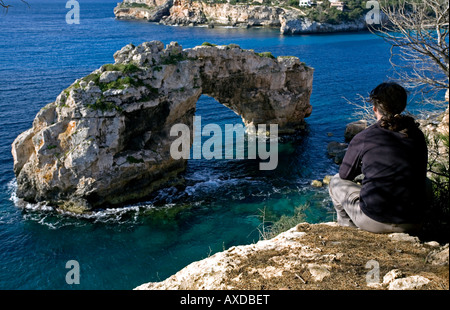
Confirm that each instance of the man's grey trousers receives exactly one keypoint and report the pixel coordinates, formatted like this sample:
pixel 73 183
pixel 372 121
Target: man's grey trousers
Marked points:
pixel 345 197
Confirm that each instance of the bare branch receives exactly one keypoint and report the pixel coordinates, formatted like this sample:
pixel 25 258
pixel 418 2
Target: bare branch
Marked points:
pixel 7 6
pixel 418 32
pixel 364 109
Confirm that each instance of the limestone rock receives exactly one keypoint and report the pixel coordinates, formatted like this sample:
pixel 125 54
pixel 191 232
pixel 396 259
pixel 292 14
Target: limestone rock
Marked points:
pixel 292 24
pixel 432 243
pixel 396 280
pixel 106 138
pixel 150 10
pixel 392 275
pixel 319 272
pixel 316 183
pixel 408 283
pixel 109 76
pixel 353 128
pixel 439 256
pixel 334 148
pixel 326 179
pixel 184 12
pixel 403 237
pixel 443 127
pixel 337 150
pixel 191 13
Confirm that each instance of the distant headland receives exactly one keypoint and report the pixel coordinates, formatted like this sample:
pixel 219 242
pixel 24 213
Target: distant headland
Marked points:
pixel 290 16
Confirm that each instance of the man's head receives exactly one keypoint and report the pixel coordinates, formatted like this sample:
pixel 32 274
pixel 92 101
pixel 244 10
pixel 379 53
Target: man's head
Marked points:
pixel 388 99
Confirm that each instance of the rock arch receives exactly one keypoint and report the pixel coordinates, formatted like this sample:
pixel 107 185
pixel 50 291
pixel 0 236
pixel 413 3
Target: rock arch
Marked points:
pixel 105 140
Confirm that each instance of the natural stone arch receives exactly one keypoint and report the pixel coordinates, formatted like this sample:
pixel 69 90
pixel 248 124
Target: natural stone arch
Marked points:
pixel 106 138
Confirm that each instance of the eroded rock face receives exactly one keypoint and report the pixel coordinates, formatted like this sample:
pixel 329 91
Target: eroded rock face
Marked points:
pixel 291 24
pixel 197 12
pixel 184 12
pixel 106 138
pixel 151 10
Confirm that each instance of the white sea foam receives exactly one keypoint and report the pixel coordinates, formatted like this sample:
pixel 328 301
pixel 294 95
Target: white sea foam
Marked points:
pixel 54 218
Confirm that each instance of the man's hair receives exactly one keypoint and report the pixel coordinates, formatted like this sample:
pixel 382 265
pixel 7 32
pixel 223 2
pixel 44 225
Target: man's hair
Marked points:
pixel 390 99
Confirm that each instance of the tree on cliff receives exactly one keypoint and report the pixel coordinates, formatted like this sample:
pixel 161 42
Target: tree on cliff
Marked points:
pixel 418 32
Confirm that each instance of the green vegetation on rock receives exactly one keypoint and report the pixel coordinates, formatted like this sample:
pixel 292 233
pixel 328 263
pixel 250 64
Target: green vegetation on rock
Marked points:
pixel 134 160
pixel 271 225
pixel 173 59
pixel 266 54
pixel 125 5
pixel 125 68
pixel 208 44
pixel 104 106
pixel 94 77
pixel 121 83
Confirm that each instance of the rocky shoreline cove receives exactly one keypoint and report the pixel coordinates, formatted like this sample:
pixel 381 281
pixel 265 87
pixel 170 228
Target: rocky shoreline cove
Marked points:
pixel 203 13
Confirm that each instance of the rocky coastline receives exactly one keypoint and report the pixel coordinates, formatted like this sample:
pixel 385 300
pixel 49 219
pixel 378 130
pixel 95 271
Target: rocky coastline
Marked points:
pixel 202 13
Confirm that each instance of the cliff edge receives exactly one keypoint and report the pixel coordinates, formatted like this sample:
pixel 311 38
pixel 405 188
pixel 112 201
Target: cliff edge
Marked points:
pixel 319 257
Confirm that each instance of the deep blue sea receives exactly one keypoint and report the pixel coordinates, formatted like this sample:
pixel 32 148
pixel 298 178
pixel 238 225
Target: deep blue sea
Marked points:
pixel 223 203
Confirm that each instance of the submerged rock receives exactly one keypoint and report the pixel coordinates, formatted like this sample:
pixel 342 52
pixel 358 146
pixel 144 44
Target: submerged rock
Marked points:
pixel 106 138
pixel 353 128
pixel 326 179
pixel 316 183
pixel 337 150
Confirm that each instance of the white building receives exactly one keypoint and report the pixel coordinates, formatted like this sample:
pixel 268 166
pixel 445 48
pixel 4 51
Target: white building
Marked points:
pixel 304 3
pixel 340 5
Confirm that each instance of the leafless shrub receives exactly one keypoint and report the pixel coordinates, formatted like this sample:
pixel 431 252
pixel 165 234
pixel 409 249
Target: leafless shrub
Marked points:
pixel 418 32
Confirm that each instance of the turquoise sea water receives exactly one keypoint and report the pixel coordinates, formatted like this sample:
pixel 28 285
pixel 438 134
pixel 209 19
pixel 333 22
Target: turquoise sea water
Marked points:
pixel 221 206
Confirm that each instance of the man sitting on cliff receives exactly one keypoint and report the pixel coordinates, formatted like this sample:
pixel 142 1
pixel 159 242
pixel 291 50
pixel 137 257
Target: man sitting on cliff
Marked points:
pixel 392 155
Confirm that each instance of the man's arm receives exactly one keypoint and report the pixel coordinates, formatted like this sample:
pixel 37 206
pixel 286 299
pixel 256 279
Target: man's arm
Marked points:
pixel 351 164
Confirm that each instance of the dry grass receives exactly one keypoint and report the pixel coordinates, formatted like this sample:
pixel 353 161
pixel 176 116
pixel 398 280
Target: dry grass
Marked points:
pixel 348 270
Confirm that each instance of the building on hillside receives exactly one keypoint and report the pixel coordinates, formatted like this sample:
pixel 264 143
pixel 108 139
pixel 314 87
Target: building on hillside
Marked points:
pixel 304 3
pixel 339 5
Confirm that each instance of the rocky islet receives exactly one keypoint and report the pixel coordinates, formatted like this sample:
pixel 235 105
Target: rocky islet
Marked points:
pixel 105 141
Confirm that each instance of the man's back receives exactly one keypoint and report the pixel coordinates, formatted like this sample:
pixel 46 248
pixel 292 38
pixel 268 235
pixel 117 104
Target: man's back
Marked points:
pixel 394 168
